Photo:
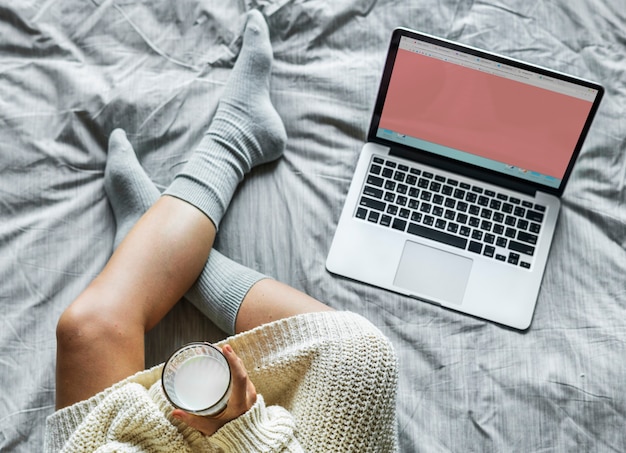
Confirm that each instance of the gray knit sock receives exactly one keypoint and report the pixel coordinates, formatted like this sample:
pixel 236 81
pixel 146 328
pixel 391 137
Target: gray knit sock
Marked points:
pixel 222 284
pixel 128 187
pixel 246 130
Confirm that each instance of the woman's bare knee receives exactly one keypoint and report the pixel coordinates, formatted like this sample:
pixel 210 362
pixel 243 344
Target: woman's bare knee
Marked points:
pixel 82 323
pixel 78 326
pixel 96 347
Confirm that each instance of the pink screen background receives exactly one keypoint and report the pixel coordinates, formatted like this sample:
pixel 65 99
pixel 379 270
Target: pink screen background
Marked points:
pixel 486 115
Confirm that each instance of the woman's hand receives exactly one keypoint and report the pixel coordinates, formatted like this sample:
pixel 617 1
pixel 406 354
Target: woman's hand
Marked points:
pixel 242 398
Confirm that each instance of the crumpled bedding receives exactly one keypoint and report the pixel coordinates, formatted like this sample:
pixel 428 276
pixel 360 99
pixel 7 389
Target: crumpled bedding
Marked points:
pixel 71 71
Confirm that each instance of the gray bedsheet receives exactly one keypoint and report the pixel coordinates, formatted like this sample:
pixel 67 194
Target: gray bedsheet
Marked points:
pixel 73 70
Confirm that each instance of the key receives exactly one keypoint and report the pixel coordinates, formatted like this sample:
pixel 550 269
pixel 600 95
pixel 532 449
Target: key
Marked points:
pixel 398 224
pixel 527 237
pixel 435 235
pixel 373 204
pixel 475 247
pixel 521 248
pixel 372 192
pixel 534 216
pixel 375 180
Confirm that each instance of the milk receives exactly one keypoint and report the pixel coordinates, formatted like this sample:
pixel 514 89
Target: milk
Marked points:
pixel 201 382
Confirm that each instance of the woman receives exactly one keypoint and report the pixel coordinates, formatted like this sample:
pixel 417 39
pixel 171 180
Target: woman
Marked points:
pixel 329 378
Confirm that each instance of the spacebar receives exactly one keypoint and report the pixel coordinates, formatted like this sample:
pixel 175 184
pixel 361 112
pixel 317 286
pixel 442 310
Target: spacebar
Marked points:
pixel 438 236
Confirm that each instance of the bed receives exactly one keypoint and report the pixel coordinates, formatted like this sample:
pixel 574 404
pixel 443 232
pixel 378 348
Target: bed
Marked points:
pixel 71 71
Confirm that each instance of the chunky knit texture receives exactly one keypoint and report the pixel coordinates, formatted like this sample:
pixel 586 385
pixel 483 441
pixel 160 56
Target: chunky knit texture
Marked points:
pixel 326 383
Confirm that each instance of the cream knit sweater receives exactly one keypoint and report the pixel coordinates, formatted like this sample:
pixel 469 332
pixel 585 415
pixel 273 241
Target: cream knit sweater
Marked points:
pixel 326 382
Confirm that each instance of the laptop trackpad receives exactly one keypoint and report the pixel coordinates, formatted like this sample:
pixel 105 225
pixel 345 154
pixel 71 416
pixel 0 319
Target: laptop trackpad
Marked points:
pixel 433 274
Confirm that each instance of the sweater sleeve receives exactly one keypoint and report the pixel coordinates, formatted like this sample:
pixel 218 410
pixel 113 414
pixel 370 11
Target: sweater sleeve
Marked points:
pixel 262 428
pixel 130 419
pixel 126 420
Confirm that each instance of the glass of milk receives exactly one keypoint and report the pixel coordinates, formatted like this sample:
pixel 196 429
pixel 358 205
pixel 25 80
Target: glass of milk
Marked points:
pixel 197 379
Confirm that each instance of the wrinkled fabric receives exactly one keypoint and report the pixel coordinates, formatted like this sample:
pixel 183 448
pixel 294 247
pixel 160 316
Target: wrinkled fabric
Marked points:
pixel 72 71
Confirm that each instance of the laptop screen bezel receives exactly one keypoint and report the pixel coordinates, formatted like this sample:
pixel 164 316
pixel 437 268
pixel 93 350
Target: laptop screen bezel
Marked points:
pixel 506 180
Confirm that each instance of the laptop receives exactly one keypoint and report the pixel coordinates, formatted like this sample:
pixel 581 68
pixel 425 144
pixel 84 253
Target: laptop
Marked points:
pixel 456 194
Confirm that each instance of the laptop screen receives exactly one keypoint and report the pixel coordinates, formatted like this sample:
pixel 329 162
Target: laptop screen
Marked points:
pixel 485 110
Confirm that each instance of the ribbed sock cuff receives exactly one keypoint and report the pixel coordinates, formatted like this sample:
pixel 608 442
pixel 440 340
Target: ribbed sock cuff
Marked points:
pixel 192 190
pixel 221 288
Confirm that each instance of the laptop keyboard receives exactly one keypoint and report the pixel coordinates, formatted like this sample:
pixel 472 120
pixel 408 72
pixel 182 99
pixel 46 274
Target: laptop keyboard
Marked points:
pixel 443 209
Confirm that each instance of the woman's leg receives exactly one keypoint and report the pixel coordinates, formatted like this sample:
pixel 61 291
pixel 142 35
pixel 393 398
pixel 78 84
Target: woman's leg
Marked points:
pixel 223 283
pixel 100 337
pixel 269 300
